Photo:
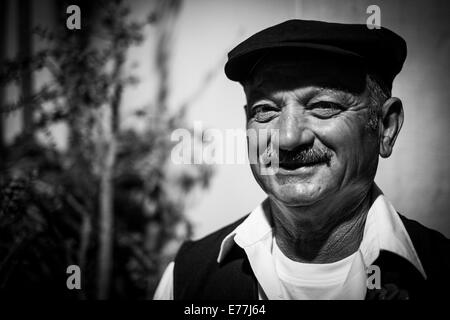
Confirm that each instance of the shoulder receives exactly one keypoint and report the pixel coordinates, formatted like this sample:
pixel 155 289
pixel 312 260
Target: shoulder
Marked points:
pixel 210 244
pixel 424 236
pixel 198 275
pixel 432 247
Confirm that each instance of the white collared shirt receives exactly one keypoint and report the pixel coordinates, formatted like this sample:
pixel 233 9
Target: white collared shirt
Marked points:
pixel 383 230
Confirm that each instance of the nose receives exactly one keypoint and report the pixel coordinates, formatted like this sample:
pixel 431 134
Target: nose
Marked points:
pixel 293 129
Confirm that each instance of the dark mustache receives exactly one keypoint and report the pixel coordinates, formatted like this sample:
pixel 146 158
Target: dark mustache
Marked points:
pixel 302 156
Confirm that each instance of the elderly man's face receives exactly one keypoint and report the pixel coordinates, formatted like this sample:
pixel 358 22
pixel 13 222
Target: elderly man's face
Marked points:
pixel 326 147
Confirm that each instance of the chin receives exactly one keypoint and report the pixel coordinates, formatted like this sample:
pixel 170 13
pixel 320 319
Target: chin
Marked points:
pixel 300 189
pixel 297 194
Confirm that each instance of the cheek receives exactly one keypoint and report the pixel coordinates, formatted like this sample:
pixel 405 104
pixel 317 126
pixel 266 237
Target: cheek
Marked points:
pixel 350 140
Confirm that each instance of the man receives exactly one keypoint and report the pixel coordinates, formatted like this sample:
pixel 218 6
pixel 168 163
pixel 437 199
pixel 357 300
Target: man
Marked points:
pixel 325 227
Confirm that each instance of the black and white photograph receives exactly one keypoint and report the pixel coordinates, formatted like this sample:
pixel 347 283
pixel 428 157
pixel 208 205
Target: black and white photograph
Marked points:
pixel 224 153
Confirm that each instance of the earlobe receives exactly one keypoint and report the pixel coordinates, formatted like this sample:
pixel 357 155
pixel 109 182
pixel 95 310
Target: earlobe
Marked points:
pixel 391 123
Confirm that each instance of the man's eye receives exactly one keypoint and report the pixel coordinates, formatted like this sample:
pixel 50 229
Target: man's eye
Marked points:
pixel 264 112
pixel 325 109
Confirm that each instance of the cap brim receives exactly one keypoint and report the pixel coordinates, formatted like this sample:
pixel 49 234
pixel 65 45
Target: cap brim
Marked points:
pixel 240 66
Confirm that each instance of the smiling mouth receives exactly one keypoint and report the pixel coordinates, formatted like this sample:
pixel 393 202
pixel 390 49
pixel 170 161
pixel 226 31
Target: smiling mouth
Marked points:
pixel 296 165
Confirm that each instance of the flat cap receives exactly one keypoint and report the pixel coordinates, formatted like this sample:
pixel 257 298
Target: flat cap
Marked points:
pixel 382 51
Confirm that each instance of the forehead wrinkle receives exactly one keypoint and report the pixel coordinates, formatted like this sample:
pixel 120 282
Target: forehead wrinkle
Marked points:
pixel 280 95
pixel 269 80
pixel 303 93
pixel 292 73
pixel 262 84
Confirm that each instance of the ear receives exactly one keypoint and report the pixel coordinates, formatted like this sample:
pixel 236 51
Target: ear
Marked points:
pixel 391 123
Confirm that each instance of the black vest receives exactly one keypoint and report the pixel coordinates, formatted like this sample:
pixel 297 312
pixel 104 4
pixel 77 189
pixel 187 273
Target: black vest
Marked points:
pixel 198 275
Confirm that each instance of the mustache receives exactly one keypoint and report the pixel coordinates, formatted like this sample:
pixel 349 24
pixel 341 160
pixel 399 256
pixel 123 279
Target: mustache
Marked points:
pixel 304 156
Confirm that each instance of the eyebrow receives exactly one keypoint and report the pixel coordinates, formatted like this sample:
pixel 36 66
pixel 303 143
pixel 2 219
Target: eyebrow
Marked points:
pixel 259 93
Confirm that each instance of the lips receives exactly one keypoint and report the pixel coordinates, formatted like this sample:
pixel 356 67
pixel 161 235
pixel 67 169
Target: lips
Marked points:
pixel 292 165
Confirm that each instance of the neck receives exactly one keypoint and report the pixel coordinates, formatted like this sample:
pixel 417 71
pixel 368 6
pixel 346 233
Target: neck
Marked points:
pixel 324 232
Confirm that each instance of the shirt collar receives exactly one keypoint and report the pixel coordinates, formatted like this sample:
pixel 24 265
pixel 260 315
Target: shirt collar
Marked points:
pixel 253 229
pixel 383 230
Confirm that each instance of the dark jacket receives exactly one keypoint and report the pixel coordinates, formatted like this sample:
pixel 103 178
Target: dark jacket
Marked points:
pixel 198 275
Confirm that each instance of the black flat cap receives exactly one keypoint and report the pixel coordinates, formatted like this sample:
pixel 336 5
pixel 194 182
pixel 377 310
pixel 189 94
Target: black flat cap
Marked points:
pixel 382 51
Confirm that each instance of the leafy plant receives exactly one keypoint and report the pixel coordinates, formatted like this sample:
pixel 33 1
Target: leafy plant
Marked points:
pixel 109 200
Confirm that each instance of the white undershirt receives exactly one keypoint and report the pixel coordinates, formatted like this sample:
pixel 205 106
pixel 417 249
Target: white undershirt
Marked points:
pixel 312 281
